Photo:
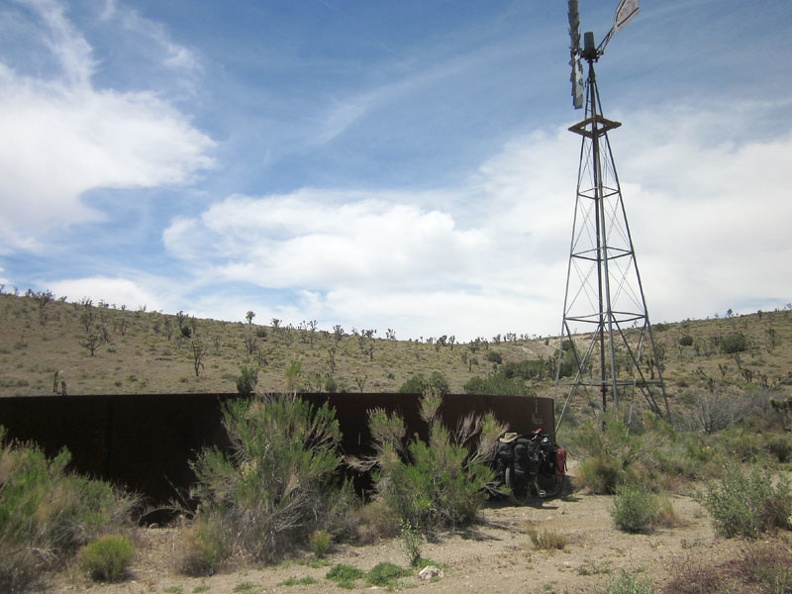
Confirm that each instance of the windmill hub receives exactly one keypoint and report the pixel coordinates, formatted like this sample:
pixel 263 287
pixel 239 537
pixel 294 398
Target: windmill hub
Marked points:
pixel 589 53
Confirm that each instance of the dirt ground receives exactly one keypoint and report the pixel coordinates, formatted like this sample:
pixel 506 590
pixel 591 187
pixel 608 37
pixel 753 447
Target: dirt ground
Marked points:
pixel 495 555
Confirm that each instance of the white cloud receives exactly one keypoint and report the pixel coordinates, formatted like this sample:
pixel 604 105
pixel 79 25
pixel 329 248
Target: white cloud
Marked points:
pixel 456 261
pixel 62 138
pixel 416 86
pixel 324 240
pixel 70 49
pixel 709 219
pixel 709 225
pixel 114 291
pixel 174 55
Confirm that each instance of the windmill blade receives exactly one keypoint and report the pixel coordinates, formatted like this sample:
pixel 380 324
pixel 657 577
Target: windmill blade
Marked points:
pixel 574 27
pixel 574 55
pixel 577 83
pixel 627 11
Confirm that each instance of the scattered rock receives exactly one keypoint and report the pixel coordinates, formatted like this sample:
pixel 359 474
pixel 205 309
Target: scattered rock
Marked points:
pixel 430 572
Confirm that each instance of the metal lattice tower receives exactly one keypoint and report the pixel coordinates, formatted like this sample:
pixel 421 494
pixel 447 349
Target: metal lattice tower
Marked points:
pixel 606 338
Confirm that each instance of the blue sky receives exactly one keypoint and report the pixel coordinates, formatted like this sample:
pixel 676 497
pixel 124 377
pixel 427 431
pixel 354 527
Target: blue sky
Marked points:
pixel 376 164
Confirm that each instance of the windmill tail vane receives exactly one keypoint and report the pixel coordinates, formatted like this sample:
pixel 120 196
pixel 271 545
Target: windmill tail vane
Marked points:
pixel 627 11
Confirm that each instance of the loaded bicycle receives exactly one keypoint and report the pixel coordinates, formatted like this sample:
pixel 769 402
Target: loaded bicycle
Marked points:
pixel 529 466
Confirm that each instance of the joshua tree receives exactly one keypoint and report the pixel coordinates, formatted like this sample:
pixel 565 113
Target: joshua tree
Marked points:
pixel 250 344
pixel 312 326
pixel 44 298
pixel 91 342
pixel 87 317
pixel 331 358
pixel 199 350
pixel 361 381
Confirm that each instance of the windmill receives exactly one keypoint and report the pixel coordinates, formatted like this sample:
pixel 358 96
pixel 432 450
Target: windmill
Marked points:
pixel 606 344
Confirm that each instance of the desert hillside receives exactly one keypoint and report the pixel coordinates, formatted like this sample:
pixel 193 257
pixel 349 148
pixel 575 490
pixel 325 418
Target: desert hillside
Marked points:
pixel 48 344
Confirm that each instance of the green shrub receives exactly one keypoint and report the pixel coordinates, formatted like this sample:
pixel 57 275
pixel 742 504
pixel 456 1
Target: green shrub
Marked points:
pixel 569 361
pixel 303 581
pixel 48 513
pixel 331 385
pixel 277 484
pixel 418 384
pixel 634 510
pixel 497 382
pixel 495 357
pixel 386 574
pixel 107 558
pixel 748 504
pixel 344 575
pixel 530 369
pixel 247 380
pixel 437 483
pixel 735 342
pixel 743 446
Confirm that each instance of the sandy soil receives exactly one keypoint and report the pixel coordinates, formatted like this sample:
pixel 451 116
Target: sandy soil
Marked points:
pixel 495 555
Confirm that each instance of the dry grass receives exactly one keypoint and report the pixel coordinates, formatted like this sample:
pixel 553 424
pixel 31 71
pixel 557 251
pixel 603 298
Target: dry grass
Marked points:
pixel 760 567
pixel 548 540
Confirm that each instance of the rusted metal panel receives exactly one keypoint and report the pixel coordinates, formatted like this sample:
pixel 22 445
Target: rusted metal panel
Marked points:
pixel 145 441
